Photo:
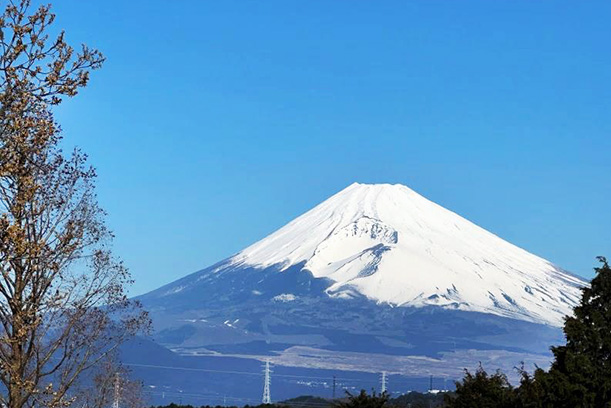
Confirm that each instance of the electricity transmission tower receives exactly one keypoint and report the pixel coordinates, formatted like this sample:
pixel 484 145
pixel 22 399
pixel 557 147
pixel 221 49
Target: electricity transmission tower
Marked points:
pixel 333 387
pixel 267 397
pixel 383 382
pixel 115 403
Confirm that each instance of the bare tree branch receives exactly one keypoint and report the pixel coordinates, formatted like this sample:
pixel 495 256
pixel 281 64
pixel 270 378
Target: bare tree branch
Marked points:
pixel 63 308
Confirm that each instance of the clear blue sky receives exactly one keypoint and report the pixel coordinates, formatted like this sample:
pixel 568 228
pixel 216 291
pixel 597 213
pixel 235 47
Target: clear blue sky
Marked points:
pixel 215 122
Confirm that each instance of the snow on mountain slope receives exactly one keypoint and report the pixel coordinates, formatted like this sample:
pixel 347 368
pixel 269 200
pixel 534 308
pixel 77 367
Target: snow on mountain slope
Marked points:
pixel 393 246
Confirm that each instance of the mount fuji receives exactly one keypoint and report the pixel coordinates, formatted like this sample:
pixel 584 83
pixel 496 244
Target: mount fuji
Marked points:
pixel 375 278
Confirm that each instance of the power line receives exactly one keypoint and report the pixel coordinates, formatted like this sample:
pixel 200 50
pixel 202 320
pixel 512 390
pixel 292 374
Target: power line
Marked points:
pixel 191 369
pixel 218 397
pixel 357 382
pixel 206 370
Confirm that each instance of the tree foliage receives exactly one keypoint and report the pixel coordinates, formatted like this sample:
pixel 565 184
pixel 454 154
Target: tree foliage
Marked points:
pixel 107 378
pixel 580 374
pixel 414 399
pixel 62 300
pixel 482 390
pixel 363 400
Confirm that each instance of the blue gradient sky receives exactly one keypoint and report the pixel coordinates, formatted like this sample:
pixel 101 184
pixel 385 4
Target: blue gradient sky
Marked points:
pixel 215 122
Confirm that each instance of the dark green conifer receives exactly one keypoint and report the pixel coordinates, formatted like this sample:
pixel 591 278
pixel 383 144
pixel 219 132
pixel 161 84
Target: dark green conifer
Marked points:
pixel 363 400
pixel 580 375
pixel 481 390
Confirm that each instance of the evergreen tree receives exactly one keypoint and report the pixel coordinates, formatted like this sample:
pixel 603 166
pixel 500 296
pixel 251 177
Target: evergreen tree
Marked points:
pixel 363 400
pixel 530 393
pixel 580 375
pixel 481 390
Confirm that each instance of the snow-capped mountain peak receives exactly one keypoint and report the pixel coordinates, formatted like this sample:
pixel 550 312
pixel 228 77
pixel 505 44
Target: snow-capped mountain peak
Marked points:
pixel 391 245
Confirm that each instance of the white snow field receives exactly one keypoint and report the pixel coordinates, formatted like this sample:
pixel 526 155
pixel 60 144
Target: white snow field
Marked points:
pixel 394 246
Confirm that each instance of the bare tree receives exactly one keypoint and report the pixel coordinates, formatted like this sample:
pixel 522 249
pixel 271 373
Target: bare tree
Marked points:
pixel 62 302
pixel 112 381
